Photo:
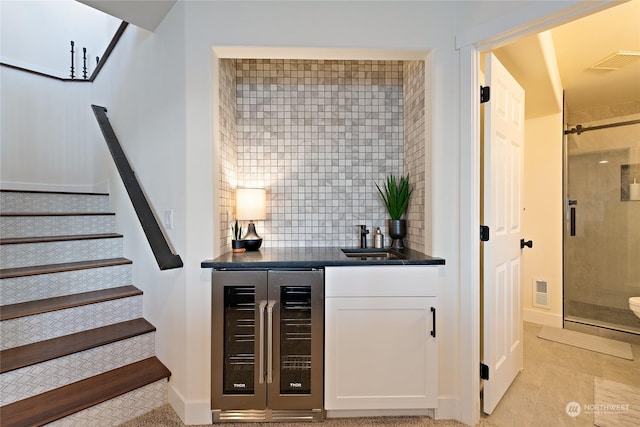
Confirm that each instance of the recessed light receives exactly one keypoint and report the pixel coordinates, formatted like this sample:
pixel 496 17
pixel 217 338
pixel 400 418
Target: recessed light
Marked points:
pixel 602 162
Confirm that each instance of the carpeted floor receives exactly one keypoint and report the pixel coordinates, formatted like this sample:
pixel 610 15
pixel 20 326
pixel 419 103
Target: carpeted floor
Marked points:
pixel 166 417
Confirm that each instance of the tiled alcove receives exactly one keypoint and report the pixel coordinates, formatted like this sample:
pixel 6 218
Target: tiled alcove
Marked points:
pixel 318 135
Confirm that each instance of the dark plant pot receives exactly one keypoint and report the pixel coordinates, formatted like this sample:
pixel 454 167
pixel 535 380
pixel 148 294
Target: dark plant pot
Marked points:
pixel 397 231
pixel 253 244
pixel 237 245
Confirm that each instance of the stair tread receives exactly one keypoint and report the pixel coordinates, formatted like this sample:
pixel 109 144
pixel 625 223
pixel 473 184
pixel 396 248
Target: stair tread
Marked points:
pixel 54 213
pixel 29 308
pixel 31 354
pixel 63 238
pixel 58 403
pixel 75 193
pixel 8 273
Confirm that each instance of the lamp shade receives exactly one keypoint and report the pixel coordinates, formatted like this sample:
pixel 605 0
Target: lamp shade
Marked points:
pixel 251 203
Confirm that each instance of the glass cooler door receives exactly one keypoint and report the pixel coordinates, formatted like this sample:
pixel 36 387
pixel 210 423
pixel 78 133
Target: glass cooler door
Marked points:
pixel 239 306
pixel 297 317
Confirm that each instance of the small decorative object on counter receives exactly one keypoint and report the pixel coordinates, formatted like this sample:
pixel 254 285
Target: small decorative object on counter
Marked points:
pixel 237 245
pixel 396 197
pixel 378 239
pixel 634 190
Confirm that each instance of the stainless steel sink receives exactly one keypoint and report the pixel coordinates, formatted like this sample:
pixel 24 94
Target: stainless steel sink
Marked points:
pixel 370 253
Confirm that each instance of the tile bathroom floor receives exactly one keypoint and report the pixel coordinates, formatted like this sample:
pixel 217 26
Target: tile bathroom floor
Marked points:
pixel 555 374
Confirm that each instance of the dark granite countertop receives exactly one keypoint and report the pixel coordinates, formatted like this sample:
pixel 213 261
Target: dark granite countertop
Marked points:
pixel 314 258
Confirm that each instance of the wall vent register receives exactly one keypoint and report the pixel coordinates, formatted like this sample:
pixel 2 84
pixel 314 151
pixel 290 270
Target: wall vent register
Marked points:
pixel 540 294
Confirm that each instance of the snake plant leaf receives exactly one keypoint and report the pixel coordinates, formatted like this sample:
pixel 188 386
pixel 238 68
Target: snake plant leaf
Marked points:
pixel 395 195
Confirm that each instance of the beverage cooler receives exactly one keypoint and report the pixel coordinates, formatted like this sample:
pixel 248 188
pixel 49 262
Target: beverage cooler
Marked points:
pixel 267 345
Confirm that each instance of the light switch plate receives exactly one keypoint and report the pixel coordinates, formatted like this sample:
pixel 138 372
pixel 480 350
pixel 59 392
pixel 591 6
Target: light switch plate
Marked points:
pixel 168 219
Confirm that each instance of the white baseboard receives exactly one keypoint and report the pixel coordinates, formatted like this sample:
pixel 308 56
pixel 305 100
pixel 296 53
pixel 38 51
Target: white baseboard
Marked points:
pixel 100 187
pixel 356 413
pixel 447 408
pixel 542 318
pixel 190 412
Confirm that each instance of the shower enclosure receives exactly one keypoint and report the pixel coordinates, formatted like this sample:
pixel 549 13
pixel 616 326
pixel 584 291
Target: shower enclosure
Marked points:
pixel 602 225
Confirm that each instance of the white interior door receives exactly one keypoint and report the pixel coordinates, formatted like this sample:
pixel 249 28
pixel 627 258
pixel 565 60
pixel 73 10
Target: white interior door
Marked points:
pixel 504 149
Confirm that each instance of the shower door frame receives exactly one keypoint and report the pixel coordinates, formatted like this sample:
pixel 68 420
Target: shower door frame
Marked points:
pixel 589 327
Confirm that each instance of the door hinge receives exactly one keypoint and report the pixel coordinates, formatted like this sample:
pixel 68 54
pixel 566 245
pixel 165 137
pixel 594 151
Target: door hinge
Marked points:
pixel 485 94
pixel 484 233
pixel 484 371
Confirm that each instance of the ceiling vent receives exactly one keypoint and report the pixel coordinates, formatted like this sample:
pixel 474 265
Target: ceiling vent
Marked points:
pixel 617 60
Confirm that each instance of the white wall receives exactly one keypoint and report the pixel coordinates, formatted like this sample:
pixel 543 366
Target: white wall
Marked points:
pixel 47 135
pixel 542 217
pixel 36 34
pixel 143 88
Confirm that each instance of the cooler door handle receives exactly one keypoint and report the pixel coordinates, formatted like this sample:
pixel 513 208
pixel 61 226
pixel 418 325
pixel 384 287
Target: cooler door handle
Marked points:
pixel 270 341
pixel 261 308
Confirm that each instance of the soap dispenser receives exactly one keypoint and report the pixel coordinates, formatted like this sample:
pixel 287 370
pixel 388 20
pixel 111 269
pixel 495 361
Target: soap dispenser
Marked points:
pixel 378 239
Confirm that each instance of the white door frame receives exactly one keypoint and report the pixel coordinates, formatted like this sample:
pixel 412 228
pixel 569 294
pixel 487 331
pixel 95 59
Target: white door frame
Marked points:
pixel 530 19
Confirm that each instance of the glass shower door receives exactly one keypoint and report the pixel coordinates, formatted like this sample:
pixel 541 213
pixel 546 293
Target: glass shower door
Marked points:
pixel 602 228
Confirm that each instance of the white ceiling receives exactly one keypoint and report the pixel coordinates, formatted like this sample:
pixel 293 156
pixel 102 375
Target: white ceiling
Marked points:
pixel 145 14
pixel 579 45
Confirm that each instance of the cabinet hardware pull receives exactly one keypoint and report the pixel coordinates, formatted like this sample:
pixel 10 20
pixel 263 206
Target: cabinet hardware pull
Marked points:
pixel 572 214
pixel 263 304
pixel 270 341
pixel 433 315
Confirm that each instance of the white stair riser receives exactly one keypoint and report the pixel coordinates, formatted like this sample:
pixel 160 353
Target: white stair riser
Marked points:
pixel 41 286
pixel 52 202
pixel 30 254
pixel 119 409
pixel 39 327
pixel 30 226
pixel 32 380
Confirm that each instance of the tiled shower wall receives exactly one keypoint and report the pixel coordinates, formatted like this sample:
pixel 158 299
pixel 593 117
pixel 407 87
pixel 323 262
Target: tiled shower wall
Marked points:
pixel 318 135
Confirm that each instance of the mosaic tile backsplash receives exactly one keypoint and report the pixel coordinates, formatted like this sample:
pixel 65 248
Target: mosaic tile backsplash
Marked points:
pixel 318 135
pixel 414 150
pixel 228 159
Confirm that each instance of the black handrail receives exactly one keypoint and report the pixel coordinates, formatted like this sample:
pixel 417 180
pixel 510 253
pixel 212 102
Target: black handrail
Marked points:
pixel 165 257
pixel 103 60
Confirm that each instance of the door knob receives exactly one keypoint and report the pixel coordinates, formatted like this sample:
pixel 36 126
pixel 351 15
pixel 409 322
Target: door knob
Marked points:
pixel 528 243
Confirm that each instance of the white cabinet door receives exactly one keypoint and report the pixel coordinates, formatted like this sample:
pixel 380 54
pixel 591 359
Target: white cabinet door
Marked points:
pixel 380 353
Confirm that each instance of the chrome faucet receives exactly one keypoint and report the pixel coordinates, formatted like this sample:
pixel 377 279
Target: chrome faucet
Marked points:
pixel 363 236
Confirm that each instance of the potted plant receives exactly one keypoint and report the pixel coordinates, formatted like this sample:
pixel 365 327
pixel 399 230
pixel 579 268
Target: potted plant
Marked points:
pixel 395 195
pixel 237 245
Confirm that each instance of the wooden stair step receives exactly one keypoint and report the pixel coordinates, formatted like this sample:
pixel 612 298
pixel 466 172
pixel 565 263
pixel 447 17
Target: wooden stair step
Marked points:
pixel 67 238
pixel 58 403
pixel 55 213
pixel 31 354
pixel 75 193
pixel 29 308
pixel 8 273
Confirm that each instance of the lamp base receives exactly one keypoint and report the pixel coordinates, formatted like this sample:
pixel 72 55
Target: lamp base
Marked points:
pixel 252 245
pixel 252 241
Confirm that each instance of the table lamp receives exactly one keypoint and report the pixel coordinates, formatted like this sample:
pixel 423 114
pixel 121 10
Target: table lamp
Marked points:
pixel 250 205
